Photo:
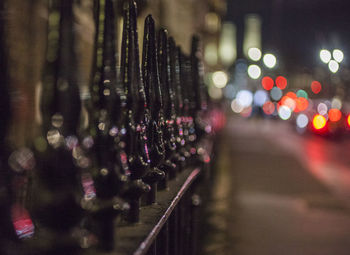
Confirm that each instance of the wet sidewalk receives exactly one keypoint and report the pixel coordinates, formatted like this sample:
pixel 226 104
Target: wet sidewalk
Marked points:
pixel 266 203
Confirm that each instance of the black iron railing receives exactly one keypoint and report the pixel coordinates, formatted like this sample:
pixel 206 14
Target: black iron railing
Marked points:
pixel 116 169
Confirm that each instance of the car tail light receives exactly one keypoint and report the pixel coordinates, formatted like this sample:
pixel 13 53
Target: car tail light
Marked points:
pixel 319 122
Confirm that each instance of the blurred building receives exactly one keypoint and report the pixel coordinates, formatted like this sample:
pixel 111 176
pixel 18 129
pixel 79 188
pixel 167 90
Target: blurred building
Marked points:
pixel 27 38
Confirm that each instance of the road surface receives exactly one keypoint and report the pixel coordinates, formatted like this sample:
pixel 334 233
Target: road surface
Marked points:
pixel 278 193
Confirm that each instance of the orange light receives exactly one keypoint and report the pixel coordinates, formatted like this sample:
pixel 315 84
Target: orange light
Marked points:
pixel 292 95
pixel 301 104
pixel 281 82
pixel 348 120
pixel 267 83
pixel 334 115
pixel 288 101
pixel 319 122
pixel 316 87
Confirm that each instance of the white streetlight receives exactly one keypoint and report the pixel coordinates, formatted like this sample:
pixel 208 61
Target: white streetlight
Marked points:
pixel 325 56
pixel 333 66
pixel 254 71
pixel 220 79
pixel 338 55
pixel 270 60
pixel 254 54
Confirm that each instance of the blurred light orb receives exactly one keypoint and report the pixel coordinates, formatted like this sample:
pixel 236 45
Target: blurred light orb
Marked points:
pixel 276 93
pixel 301 104
pixel 260 97
pixel 269 108
pixel 269 60
pixel 241 66
pixel 316 87
pixel 292 95
pixel 281 82
pixel 302 120
pixel 236 106
pixel 338 55
pixel 215 93
pixel 333 66
pixel 348 120
pixel 288 102
pixel 254 71
pixel 245 98
pixel 247 112
pixel 334 115
pixel 322 108
pixel 336 103
pixel 220 79
pixel 284 112
pixel 325 56
pixel 229 91
pixel 254 54
pixel 302 93
pixel 267 83
pixel 319 122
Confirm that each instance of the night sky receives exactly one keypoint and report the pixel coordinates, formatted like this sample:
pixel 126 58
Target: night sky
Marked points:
pixel 295 30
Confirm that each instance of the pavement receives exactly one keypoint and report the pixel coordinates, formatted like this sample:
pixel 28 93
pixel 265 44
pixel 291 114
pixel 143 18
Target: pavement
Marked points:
pixel 278 193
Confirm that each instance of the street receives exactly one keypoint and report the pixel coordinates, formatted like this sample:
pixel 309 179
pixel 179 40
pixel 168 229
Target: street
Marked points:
pixel 277 192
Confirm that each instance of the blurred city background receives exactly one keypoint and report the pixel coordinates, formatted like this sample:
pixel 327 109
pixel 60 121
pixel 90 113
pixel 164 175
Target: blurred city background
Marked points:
pixel 280 70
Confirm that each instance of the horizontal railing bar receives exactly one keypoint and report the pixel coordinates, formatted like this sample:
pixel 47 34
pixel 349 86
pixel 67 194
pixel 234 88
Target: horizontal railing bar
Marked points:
pixel 137 238
pixel 153 234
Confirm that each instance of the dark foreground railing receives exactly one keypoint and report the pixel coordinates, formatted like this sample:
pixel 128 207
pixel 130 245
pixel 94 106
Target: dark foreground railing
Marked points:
pixel 117 166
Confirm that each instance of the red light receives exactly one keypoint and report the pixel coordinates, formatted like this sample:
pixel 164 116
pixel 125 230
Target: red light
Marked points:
pixel 267 83
pixel 281 82
pixel 268 108
pixel 334 115
pixel 21 221
pixel 319 122
pixel 316 87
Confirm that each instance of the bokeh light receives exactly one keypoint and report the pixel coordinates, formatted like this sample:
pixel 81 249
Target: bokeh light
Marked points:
pixel 334 115
pixel 236 106
pixel 245 98
pixel 316 87
pixel 247 112
pixel 336 103
pixel 338 55
pixel 288 102
pixel 281 82
pixel 322 108
pixel 254 71
pixel 260 97
pixel 284 112
pixel 254 54
pixel 269 60
pixel 269 108
pixel 333 66
pixel 267 83
pixel 325 56
pixel 302 93
pixel 276 93
pixel 302 120
pixel 215 93
pixel 319 122
pixel 291 94
pixel 301 104
pixel 220 79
